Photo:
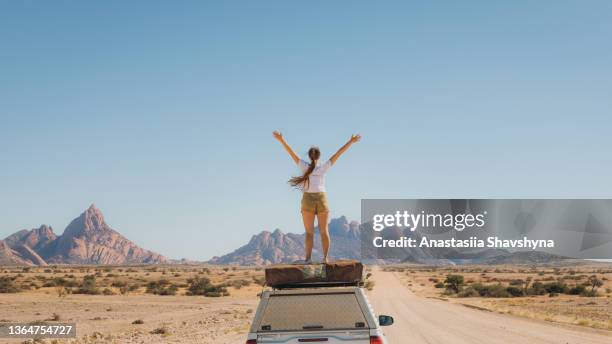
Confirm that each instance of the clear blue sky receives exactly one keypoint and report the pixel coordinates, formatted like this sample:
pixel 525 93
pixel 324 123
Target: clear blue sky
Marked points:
pixel 161 113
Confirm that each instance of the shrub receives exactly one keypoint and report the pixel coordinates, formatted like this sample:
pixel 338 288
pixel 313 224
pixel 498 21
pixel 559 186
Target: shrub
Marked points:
pixel 589 293
pixel 492 290
pixel 240 283
pixel 119 284
pixel 468 292
pixel 259 280
pixel 202 286
pixel 138 322
pixel 556 287
pixel 537 288
pixel 107 291
pixel 514 291
pixel 439 285
pixel 454 283
pixel 160 330
pixel 595 283
pixel 60 281
pixel 61 291
pixel 88 286
pixel 496 290
pixel 517 282
pixel 577 290
pixel 161 287
pixel 7 285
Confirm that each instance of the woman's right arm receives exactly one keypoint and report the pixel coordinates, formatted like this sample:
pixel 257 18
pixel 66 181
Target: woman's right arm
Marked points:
pixel 279 137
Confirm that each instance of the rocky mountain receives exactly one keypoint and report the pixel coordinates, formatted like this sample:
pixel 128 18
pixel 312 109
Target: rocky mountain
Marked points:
pixel 278 247
pixel 18 255
pixel 523 257
pixel 86 240
pixel 38 239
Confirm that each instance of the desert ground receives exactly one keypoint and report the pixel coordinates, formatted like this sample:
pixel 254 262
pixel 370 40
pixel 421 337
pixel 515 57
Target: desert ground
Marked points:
pixel 215 304
pixel 420 319
pixel 123 306
pixel 583 309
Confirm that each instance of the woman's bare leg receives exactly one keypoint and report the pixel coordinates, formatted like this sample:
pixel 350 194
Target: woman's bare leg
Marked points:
pixel 308 219
pixel 322 221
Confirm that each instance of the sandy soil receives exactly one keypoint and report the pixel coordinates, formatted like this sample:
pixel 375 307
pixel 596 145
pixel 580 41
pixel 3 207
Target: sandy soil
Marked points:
pixel 425 320
pixel 595 312
pixel 421 314
pixel 108 319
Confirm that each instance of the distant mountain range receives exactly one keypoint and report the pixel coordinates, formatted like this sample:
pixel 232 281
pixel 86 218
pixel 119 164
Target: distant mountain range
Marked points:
pixel 86 240
pixel 278 247
pixel 89 240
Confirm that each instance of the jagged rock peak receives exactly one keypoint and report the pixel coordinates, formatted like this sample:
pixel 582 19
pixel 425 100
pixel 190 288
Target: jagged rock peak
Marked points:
pixel 93 217
pixel 44 230
pixel 90 221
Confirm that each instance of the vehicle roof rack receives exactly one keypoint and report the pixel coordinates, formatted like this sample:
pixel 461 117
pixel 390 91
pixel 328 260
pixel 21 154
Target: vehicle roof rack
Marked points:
pixel 317 285
pixel 331 274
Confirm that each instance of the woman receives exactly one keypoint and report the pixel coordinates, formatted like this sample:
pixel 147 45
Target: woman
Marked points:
pixel 312 184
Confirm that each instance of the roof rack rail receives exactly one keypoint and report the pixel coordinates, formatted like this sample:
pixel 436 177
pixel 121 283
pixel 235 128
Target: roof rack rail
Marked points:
pixel 317 285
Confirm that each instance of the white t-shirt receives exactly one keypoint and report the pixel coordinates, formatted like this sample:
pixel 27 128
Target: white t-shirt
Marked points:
pixel 316 180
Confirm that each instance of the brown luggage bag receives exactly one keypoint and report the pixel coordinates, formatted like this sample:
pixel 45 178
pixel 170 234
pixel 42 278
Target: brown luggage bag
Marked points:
pixel 342 271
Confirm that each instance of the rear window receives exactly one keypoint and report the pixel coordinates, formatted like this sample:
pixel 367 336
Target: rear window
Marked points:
pixel 312 312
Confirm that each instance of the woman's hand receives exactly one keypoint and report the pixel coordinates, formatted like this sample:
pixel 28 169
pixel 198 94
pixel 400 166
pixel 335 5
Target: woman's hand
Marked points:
pixel 277 135
pixel 354 138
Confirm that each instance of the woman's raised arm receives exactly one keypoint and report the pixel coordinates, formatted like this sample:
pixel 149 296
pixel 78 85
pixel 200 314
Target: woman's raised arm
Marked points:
pixel 353 139
pixel 279 137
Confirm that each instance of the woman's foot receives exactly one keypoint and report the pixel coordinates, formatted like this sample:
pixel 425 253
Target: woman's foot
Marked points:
pixel 305 261
pixel 325 260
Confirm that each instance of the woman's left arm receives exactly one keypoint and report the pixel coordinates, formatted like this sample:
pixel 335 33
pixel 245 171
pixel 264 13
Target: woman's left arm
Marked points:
pixel 353 139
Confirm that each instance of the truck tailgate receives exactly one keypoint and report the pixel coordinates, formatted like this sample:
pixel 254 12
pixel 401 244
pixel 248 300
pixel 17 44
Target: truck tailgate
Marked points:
pixel 323 337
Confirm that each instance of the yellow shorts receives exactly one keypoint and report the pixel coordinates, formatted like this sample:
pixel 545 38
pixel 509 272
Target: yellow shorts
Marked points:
pixel 315 202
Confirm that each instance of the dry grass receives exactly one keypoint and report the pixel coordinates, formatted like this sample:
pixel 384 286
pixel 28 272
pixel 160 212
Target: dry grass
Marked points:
pixel 593 312
pixel 126 313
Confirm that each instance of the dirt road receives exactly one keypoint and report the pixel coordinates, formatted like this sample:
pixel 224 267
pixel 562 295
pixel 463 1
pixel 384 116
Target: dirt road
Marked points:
pixel 422 320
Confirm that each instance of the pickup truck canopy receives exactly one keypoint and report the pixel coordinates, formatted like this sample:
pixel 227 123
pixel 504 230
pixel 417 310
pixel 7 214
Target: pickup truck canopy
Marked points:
pixel 312 310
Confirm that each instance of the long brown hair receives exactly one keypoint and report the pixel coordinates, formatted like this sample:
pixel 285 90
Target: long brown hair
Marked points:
pixel 301 182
